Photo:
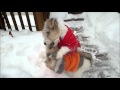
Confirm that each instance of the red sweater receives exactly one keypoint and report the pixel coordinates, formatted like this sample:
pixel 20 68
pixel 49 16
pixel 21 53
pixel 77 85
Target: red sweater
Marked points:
pixel 69 40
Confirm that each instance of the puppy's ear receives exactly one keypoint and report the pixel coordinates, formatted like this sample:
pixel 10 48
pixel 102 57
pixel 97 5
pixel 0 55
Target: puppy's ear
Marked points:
pixel 49 23
pixel 55 24
pixel 52 23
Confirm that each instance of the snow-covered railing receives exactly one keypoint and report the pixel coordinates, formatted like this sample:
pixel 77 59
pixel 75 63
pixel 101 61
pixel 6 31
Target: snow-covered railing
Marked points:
pixel 37 21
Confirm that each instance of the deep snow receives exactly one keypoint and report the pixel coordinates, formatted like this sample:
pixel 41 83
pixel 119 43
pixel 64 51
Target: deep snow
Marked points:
pixel 23 55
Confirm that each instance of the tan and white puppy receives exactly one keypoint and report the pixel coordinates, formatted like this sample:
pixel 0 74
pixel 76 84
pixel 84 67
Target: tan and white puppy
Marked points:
pixel 53 30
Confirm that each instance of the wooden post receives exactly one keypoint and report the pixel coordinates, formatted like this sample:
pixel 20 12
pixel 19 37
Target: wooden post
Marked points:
pixel 39 20
pixel 46 15
pixel 6 19
pixel 2 24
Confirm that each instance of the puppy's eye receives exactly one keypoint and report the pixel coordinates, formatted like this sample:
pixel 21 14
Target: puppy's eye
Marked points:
pixel 48 32
pixel 52 28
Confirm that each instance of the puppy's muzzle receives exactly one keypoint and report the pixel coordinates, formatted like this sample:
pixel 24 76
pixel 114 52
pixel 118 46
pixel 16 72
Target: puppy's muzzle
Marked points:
pixel 44 43
pixel 51 45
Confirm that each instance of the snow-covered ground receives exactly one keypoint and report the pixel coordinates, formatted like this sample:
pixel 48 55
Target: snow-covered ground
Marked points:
pixel 23 55
pixel 103 28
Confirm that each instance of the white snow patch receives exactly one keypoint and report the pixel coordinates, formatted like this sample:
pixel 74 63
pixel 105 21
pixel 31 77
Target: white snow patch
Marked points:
pixel 23 55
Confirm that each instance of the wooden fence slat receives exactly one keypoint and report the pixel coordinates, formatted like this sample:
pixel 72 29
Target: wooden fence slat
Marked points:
pixel 6 19
pixel 28 20
pixel 39 20
pixel 21 20
pixel 75 12
pixel 2 24
pixel 14 21
pixel 78 19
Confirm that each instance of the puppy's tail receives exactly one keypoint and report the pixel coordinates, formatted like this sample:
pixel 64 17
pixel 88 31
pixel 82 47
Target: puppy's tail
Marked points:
pixel 87 56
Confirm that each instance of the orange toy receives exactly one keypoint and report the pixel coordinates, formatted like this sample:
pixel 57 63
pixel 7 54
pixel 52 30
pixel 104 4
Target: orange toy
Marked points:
pixel 72 60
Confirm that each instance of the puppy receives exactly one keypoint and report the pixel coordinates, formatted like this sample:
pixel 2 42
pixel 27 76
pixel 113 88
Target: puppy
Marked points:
pixel 55 32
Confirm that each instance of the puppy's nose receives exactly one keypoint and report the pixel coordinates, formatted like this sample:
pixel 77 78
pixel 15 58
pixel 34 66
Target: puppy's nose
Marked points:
pixel 44 43
pixel 51 45
pixel 48 54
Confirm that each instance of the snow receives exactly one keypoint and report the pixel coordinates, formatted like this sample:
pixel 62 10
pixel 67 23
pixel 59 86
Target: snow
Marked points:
pixel 104 31
pixel 61 15
pixel 23 55
pixel 64 15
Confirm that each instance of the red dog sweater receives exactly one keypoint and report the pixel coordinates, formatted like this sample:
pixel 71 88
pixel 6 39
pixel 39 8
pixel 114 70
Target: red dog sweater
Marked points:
pixel 69 40
pixel 72 59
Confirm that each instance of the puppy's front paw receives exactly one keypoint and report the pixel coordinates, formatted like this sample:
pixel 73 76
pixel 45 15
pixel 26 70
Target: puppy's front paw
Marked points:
pixel 58 62
pixel 56 69
pixel 50 64
pixel 59 55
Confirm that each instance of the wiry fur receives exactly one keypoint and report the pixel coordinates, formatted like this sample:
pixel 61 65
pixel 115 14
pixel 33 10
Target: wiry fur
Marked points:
pixel 51 57
pixel 53 30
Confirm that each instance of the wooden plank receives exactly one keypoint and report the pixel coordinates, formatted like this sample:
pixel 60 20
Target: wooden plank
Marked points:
pixel 6 19
pixel 14 21
pixel 2 24
pixel 46 15
pixel 78 19
pixel 28 20
pixel 21 20
pixel 39 20
pixel 75 12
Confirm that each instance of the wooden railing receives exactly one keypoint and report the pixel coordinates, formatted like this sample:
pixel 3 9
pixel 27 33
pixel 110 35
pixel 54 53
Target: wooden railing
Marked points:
pixel 39 18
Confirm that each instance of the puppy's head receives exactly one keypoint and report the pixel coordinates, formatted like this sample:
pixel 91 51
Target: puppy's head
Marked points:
pixel 51 30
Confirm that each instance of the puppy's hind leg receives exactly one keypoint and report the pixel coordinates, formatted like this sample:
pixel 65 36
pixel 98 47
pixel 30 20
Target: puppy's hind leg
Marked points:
pixel 87 55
